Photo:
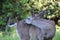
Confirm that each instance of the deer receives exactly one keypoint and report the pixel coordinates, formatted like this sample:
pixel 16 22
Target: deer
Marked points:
pixel 35 28
pixel 47 26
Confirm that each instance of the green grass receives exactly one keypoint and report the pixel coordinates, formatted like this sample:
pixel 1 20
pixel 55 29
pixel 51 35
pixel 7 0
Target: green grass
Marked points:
pixel 7 37
pixel 14 36
pixel 57 35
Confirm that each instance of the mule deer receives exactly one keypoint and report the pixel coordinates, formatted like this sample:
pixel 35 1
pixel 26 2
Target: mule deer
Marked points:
pixel 27 31
pixel 47 27
pixel 35 28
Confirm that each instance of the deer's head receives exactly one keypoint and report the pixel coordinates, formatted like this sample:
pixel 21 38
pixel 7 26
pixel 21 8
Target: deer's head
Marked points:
pixel 32 16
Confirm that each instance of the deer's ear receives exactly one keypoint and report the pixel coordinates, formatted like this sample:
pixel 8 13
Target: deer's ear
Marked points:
pixel 32 13
pixel 41 14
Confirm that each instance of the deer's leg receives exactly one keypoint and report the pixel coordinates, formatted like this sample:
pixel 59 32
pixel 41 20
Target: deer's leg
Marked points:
pixel 35 33
pixel 40 36
pixel 24 37
pixel 18 34
pixel 23 33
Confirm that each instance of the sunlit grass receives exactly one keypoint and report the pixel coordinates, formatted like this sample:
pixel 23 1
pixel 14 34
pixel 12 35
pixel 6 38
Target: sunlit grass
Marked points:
pixel 14 36
pixel 57 35
pixel 9 37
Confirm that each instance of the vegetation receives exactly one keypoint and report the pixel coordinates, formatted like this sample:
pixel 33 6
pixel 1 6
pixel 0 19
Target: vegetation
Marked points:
pixel 20 9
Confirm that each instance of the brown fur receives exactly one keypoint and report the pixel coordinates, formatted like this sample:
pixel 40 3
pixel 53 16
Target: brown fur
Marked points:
pixel 35 32
pixel 30 32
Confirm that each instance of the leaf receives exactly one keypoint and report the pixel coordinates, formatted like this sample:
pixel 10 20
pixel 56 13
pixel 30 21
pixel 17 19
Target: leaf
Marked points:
pixel 9 14
pixel 23 1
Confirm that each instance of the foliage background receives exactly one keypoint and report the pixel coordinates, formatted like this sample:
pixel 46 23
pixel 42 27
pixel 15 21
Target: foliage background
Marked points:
pixel 20 9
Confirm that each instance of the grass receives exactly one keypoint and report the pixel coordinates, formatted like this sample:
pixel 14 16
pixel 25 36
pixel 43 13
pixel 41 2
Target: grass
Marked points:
pixel 57 35
pixel 14 36
pixel 8 37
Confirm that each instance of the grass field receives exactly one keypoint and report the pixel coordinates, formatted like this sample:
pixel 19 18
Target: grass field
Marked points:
pixel 57 36
pixel 14 36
